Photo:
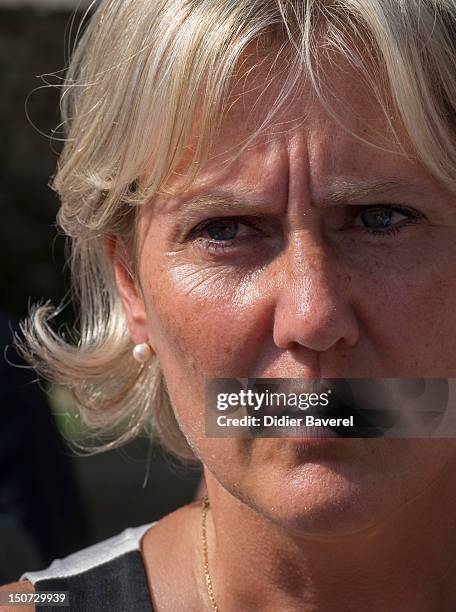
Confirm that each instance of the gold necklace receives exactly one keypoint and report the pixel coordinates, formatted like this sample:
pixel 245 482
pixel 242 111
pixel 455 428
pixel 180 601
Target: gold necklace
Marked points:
pixel 207 576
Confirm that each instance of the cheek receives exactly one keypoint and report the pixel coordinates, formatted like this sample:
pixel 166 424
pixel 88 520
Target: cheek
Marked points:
pixel 205 323
pixel 205 326
pixel 408 316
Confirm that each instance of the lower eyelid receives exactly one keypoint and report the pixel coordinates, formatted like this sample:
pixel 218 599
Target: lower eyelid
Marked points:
pixel 388 232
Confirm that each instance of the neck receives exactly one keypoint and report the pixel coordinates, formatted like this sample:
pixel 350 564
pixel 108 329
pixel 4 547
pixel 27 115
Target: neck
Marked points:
pixel 407 562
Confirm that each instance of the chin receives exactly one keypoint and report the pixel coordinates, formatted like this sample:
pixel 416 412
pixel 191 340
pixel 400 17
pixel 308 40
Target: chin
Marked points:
pixel 321 499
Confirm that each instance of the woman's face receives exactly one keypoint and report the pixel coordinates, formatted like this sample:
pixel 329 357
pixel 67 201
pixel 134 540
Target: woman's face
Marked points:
pixel 336 258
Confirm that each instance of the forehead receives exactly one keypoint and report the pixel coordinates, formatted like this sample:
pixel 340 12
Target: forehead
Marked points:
pixel 346 135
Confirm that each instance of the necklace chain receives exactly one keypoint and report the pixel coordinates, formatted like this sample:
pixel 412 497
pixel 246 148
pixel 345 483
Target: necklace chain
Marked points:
pixel 207 576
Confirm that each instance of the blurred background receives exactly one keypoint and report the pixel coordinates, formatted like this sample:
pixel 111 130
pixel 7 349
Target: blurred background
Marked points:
pixel 51 501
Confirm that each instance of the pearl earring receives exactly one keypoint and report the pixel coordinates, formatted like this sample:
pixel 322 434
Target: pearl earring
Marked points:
pixel 142 352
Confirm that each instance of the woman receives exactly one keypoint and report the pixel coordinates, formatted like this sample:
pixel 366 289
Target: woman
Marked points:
pixel 265 189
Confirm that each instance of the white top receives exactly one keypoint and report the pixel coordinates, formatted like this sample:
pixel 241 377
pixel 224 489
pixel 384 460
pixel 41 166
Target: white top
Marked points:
pixel 92 556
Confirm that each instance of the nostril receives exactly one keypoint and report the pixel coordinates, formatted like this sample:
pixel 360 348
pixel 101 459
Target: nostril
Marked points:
pixel 317 322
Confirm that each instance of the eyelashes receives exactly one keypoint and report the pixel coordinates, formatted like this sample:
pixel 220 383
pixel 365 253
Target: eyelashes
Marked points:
pixel 383 214
pixel 221 230
pixel 227 233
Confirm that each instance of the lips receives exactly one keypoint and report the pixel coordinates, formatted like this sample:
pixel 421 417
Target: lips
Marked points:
pixel 379 407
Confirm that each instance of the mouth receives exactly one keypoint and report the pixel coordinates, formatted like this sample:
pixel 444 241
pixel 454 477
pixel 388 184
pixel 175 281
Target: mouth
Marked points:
pixel 337 407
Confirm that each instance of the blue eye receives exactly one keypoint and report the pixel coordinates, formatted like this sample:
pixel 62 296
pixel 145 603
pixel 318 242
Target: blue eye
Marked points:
pixel 385 220
pixel 377 218
pixel 225 233
pixel 223 229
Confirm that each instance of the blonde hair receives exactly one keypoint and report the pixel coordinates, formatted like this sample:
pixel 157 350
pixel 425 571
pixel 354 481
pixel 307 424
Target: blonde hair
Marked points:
pixel 142 76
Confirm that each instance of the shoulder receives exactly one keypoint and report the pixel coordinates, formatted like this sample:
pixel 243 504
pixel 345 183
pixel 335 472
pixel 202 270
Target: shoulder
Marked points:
pixel 133 566
pixel 107 577
pixel 22 586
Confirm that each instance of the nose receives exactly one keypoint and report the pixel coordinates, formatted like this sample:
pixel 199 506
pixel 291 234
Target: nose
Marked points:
pixel 313 307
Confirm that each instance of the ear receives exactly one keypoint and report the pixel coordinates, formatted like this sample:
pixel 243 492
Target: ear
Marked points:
pixel 128 290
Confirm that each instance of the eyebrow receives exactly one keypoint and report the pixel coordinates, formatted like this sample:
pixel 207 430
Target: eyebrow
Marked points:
pixel 344 191
pixel 224 201
pixel 353 190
